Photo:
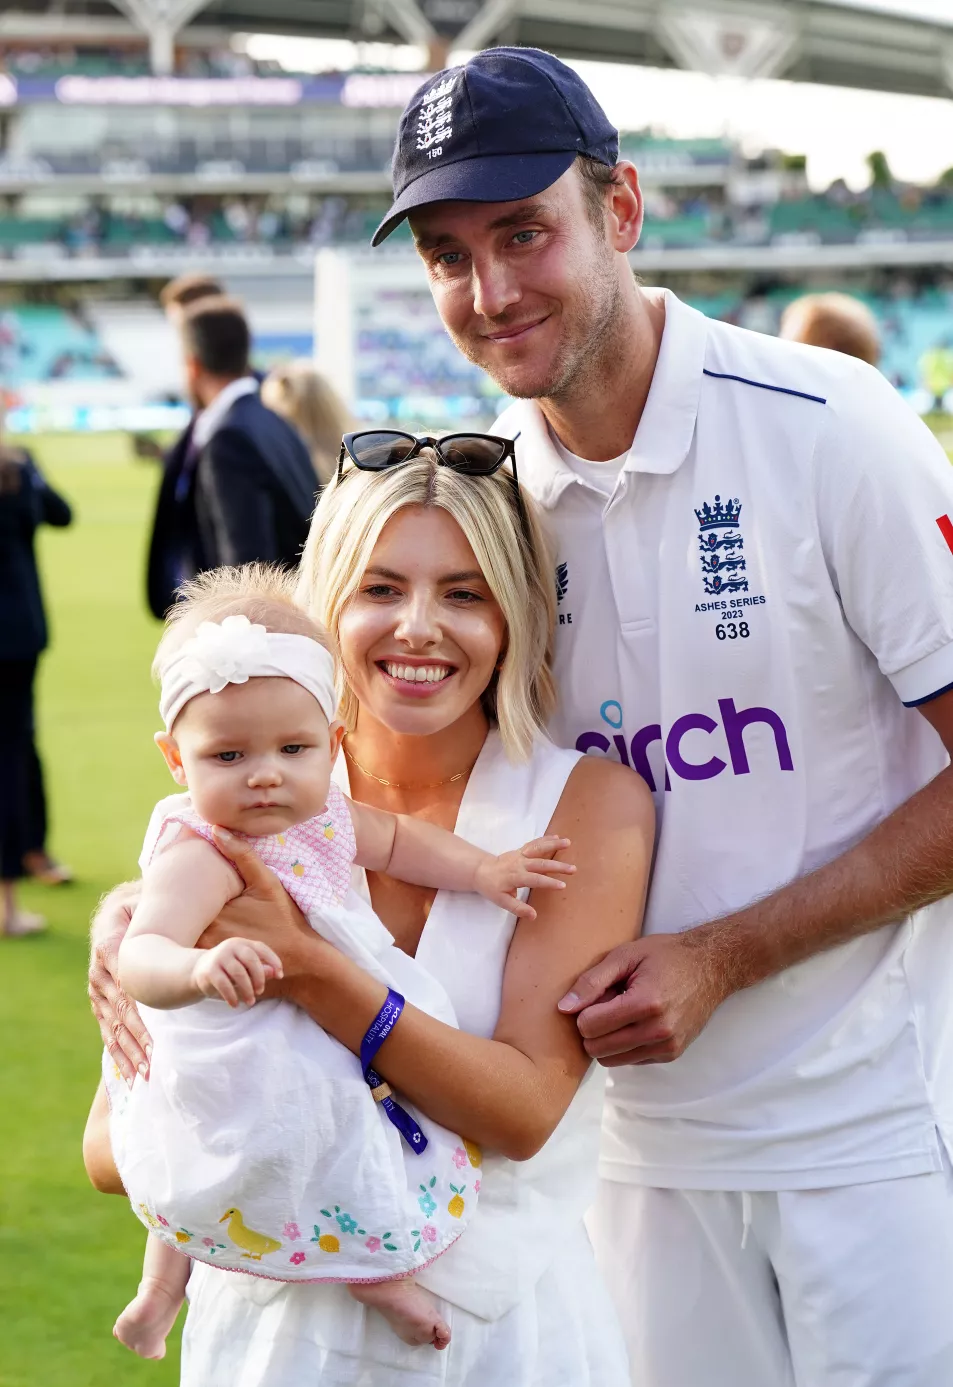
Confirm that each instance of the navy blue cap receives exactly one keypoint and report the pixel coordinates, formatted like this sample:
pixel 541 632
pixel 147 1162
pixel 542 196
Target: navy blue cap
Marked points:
pixel 504 126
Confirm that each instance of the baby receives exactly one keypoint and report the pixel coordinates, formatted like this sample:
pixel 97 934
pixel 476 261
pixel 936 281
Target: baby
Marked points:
pixel 259 1119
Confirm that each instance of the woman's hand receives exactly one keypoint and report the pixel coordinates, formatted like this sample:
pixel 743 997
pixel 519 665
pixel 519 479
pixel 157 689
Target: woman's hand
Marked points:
pixel 121 1027
pixel 264 911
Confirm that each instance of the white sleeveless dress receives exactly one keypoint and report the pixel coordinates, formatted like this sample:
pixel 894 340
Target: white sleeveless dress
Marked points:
pixel 520 1288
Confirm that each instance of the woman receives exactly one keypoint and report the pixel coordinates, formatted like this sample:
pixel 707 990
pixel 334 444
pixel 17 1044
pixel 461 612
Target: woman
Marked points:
pixel 301 394
pixel 438 589
pixel 26 502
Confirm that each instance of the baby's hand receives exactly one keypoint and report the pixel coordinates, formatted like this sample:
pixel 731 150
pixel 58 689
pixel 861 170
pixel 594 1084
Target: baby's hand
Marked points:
pixel 236 970
pixel 499 878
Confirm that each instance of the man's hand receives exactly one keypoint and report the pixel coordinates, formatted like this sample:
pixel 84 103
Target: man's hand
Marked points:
pixel 499 878
pixel 647 1001
pixel 124 1035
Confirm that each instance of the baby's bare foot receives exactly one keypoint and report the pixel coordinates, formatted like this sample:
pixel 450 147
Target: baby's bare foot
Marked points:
pixel 146 1322
pixel 409 1310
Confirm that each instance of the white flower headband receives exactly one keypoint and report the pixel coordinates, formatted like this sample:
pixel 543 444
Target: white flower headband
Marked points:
pixel 234 652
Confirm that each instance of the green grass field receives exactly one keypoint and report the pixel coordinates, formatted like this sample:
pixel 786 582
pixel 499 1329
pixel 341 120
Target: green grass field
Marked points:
pixel 69 1258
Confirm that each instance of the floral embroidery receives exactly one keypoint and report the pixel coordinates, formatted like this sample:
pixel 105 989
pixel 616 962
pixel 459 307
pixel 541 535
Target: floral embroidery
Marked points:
pixel 347 1224
pixel 426 1200
pixel 428 1233
pixel 476 1186
pixel 459 1158
pixel 292 1232
pixel 163 1221
pixel 212 1246
pixel 373 1244
pixel 296 1258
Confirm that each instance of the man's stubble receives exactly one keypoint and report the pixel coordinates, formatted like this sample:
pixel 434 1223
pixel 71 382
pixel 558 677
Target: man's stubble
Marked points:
pixel 590 344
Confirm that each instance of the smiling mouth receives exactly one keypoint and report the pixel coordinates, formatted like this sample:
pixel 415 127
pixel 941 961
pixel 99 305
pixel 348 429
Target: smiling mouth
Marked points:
pixel 416 674
pixel 511 334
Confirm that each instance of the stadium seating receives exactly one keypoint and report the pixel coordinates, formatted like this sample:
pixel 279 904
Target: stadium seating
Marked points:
pixel 45 343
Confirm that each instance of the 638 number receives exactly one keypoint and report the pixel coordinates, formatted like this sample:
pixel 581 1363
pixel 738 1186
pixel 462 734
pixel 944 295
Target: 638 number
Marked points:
pixel 731 630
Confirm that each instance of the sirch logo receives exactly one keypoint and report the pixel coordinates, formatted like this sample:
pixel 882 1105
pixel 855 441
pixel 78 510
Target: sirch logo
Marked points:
pixel 734 721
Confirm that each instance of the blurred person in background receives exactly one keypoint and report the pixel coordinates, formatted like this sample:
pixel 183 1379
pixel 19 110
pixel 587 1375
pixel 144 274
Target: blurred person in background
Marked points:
pixel 936 373
pixel 302 395
pixel 26 501
pixel 836 321
pixel 180 293
pixel 254 484
pixel 173 546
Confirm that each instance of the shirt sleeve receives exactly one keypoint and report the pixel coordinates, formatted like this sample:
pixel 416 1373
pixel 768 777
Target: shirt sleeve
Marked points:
pixel 884 490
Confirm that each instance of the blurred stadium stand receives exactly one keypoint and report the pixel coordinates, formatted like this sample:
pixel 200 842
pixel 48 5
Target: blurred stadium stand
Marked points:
pixel 128 155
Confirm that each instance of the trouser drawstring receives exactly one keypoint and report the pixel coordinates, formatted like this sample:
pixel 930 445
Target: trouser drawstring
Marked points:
pixel 745 1218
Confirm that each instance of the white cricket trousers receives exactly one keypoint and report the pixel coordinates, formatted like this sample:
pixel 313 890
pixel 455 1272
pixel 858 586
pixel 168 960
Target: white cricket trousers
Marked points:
pixel 844 1287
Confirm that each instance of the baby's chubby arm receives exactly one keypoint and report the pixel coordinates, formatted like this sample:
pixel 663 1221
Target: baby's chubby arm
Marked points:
pixel 426 855
pixel 183 890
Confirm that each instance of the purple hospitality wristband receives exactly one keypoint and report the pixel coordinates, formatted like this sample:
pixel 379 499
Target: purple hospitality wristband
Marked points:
pixel 377 1032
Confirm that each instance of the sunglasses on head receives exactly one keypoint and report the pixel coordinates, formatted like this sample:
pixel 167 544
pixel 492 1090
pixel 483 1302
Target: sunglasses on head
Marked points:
pixel 471 454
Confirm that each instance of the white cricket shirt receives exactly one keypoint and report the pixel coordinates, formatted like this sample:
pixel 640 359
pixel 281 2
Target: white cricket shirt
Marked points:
pixel 743 623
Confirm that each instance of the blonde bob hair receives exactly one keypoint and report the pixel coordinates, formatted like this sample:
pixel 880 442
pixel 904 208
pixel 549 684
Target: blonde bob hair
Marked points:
pixel 517 566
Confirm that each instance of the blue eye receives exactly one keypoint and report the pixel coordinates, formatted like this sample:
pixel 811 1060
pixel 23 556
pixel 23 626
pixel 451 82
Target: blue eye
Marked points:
pixel 228 756
pixel 293 748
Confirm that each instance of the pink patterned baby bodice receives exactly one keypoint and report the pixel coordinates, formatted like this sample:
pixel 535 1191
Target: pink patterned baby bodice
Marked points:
pixel 312 860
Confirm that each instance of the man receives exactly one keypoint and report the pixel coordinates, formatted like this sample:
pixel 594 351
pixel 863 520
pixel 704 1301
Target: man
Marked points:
pixel 254 484
pixel 836 321
pixel 180 293
pixel 756 613
pixel 173 543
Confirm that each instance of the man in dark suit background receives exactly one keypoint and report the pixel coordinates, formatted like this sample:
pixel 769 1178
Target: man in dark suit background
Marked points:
pixel 173 547
pixel 254 484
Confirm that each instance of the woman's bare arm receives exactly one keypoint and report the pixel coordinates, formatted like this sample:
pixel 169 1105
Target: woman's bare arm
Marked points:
pixel 510 1092
pixel 97 1150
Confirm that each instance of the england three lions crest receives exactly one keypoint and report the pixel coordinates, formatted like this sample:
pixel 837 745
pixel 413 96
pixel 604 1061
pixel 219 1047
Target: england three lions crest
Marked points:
pixel 721 547
pixel 435 120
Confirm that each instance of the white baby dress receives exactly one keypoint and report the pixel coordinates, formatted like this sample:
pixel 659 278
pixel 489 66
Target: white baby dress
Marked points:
pixel 256 1144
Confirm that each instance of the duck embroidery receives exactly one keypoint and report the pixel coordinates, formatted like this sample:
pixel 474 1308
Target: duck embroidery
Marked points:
pixel 256 1245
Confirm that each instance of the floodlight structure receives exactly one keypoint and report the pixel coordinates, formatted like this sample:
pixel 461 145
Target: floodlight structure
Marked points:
pixel 160 21
pixel 839 42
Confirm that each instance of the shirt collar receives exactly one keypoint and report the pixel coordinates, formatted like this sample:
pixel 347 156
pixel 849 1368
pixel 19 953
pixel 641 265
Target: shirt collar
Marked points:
pixel 665 430
pixel 213 415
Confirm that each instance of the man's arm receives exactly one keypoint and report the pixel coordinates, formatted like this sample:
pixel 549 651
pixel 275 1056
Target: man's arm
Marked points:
pixel 674 982
pixel 234 484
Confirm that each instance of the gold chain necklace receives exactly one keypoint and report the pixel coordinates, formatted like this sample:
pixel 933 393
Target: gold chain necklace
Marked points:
pixel 394 785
